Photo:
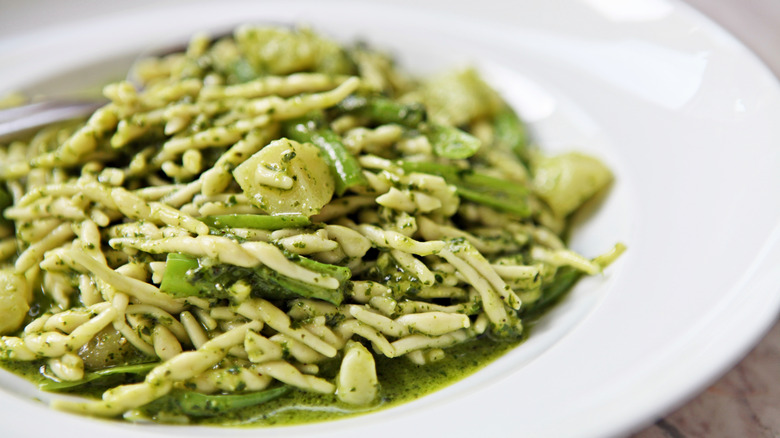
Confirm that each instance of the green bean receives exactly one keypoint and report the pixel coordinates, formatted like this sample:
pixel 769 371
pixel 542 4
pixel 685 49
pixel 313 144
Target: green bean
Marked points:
pixel 451 142
pixel 184 276
pixel 497 200
pixel 510 133
pixel 138 369
pixel 242 71
pixel 565 278
pixel 346 170
pixel 257 221
pixel 477 187
pixel 340 273
pixel 5 201
pixel 490 183
pixel 382 110
pixel 196 404
pixel 272 284
pixel 178 268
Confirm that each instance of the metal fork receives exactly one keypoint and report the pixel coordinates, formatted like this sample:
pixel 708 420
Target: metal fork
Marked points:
pixel 22 119
pixel 16 121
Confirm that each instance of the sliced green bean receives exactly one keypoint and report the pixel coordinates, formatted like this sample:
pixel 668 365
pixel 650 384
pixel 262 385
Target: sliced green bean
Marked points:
pixel 340 273
pixel 242 71
pixel 497 200
pixel 178 268
pixel 382 110
pixel 273 284
pixel 510 133
pixel 196 404
pixel 5 201
pixel 138 369
pixel 346 170
pixel 257 221
pixel 184 276
pixel 565 279
pixel 477 187
pixel 490 183
pixel 451 142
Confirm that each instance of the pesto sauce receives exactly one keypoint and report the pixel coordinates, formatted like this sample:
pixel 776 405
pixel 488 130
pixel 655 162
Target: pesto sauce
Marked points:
pixel 35 372
pixel 30 371
pixel 402 381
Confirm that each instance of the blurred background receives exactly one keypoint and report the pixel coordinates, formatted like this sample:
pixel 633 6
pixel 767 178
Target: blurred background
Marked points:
pixel 743 403
pixel 755 22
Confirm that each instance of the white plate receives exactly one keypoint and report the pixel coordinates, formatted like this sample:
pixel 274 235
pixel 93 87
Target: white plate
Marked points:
pixel 684 114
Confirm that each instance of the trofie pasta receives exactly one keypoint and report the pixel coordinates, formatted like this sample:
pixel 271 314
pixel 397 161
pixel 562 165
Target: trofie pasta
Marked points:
pixel 271 213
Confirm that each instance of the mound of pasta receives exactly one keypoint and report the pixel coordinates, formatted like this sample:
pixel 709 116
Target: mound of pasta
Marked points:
pixel 271 213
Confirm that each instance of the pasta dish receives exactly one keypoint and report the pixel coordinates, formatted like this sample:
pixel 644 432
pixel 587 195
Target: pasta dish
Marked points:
pixel 272 213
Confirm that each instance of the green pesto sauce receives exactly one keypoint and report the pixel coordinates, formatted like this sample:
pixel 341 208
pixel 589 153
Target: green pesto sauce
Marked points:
pixel 401 381
pixel 29 370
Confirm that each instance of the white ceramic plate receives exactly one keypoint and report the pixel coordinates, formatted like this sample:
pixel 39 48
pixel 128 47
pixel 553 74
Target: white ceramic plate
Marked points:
pixel 683 113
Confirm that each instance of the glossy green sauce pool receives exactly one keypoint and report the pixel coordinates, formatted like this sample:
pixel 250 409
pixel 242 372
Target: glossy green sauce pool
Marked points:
pixel 401 380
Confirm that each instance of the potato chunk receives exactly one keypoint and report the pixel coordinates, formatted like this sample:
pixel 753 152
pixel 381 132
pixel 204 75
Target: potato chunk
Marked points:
pixel 566 181
pixel 13 301
pixel 287 177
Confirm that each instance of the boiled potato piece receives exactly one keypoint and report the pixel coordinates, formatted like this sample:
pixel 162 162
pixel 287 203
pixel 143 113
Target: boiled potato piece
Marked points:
pixel 106 349
pixel 287 177
pixel 566 181
pixel 13 301
pixel 459 97
pixel 279 50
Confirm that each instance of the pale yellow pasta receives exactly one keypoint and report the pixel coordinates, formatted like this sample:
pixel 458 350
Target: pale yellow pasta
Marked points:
pixel 270 211
pixel 195 331
pixel 352 327
pixel 363 291
pixel 287 373
pixel 414 266
pixel 491 299
pixel 560 257
pixel 225 380
pixel 357 382
pixel 372 140
pixel 68 367
pixel 395 240
pixel 55 344
pixel 260 309
pixel 166 346
pixel 160 380
pixel 308 243
pixel 141 290
pixel 284 86
pixel 69 320
pixel 261 349
pixel 297 350
pixel 419 342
